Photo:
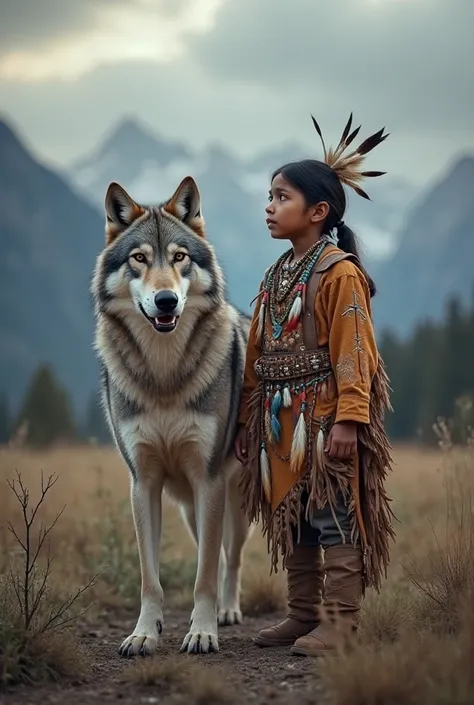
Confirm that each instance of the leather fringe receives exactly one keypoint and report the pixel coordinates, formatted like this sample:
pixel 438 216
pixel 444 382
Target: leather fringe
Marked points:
pixel 375 462
pixel 254 503
pixel 323 483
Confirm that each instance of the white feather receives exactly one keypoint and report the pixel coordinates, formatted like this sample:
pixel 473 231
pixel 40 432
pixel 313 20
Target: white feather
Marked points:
pixel 265 475
pixel 296 309
pixel 320 448
pixel 287 401
pixel 261 321
pixel 298 446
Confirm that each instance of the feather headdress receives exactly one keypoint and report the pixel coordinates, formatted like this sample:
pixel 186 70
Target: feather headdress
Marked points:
pixel 347 165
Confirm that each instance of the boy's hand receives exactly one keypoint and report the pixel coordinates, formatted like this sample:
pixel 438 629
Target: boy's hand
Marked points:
pixel 342 441
pixel 240 445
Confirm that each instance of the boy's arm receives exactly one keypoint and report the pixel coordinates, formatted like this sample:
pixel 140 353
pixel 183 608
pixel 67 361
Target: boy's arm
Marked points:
pixel 352 345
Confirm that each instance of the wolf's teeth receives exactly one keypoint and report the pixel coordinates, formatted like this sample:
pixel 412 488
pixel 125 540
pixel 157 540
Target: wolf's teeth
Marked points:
pixel 165 321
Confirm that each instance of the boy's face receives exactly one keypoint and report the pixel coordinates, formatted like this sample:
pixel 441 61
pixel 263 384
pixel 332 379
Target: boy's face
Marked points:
pixel 288 216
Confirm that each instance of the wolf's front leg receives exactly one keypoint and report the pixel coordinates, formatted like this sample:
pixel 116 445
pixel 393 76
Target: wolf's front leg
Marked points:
pixel 209 503
pixel 146 509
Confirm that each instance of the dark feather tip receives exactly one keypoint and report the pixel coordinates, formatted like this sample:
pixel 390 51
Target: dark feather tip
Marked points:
pixel 362 193
pixel 371 142
pixel 316 126
pixel 346 129
pixel 372 173
pixel 353 135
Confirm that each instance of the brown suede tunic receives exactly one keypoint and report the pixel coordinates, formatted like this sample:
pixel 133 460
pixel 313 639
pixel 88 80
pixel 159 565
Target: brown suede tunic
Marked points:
pixel 342 315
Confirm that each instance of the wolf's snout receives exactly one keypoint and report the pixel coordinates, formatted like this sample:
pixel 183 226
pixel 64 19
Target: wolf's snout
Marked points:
pixel 165 318
pixel 166 301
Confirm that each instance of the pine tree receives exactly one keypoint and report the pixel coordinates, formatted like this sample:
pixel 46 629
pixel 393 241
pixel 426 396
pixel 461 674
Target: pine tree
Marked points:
pixel 95 425
pixel 391 351
pixel 425 364
pixel 46 410
pixel 432 375
pixel 5 420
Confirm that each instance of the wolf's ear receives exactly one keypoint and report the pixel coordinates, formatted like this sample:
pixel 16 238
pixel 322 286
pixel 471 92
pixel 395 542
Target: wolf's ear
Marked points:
pixel 120 211
pixel 185 204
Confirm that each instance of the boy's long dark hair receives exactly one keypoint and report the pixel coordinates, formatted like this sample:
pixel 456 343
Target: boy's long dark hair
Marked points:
pixel 319 182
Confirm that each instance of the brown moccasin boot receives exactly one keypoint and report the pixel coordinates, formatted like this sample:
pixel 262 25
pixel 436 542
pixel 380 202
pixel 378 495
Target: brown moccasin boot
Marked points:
pixel 305 587
pixel 343 566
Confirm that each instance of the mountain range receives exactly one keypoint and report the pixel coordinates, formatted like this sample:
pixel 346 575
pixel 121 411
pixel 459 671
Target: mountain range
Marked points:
pixel 434 258
pixel 49 237
pixel 150 167
pixel 418 245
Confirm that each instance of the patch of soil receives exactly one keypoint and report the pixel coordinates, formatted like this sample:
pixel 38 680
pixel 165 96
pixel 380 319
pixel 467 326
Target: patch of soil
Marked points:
pixel 260 675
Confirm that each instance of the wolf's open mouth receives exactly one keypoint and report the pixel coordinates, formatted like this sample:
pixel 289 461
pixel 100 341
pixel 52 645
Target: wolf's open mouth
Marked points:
pixel 162 324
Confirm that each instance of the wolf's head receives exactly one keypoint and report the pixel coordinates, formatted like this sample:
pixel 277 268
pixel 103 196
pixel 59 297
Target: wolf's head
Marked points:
pixel 157 261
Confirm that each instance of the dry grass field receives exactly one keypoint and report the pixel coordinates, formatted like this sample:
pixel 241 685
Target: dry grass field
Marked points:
pixel 417 637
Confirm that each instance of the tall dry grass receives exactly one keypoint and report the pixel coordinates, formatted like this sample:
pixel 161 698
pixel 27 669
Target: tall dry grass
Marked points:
pixel 417 637
pixel 422 612
pixel 96 531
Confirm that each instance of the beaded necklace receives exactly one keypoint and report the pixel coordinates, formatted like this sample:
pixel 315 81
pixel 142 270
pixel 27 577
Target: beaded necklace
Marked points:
pixel 276 396
pixel 296 282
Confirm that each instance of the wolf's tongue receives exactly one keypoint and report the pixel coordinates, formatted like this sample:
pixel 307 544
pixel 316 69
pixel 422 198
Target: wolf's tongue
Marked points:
pixel 165 320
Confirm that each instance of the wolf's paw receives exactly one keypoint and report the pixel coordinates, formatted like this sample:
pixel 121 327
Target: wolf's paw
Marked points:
pixel 200 640
pixel 229 616
pixel 143 642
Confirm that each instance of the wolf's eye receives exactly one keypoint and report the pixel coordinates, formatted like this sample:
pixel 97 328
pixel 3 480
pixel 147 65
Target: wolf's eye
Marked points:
pixel 139 257
pixel 179 256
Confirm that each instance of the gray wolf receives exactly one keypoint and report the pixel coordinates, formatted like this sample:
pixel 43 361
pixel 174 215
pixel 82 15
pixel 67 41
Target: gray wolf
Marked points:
pixel 172 352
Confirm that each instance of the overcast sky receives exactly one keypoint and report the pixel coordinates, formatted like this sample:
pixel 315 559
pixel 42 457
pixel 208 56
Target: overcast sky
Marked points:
pixel 245 73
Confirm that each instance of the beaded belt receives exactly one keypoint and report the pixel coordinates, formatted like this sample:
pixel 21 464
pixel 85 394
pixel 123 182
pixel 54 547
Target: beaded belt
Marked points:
pixel 290 366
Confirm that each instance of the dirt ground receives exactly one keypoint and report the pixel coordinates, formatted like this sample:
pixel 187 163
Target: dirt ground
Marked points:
pixel 95 534
pixel 247 671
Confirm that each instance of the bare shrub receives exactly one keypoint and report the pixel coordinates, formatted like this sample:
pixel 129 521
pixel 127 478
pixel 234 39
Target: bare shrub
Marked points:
pixel 35 641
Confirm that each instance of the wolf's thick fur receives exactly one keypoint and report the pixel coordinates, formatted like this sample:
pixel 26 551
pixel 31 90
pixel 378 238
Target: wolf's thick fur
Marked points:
pixel 172 353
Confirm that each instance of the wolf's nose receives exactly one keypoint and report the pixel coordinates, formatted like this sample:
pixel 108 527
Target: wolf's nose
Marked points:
pixel 166 301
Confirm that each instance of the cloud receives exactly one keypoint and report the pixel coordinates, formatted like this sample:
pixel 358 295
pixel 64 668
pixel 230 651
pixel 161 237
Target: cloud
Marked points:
pixel 248 74
pixel 33 23
pixel 411 58
pixel 176 100
pixel 65 40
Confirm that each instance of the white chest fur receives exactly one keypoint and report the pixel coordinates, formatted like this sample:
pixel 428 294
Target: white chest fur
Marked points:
pixel 174 441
